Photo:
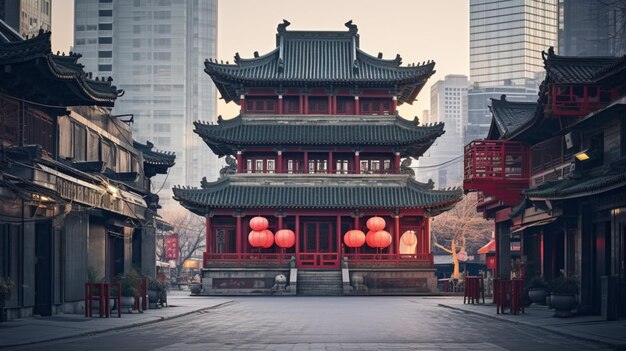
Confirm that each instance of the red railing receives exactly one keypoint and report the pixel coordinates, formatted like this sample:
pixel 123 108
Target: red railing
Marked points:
pixel 579 100
pixel 101 292
pixel 496 160
pixel 246 257
pixel 318 260
pixel 342 171
pixel 390 258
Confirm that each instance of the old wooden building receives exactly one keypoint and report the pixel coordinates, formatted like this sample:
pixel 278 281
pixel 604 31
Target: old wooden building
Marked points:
pixel 552 176
pixel 74 188
pixel 318 150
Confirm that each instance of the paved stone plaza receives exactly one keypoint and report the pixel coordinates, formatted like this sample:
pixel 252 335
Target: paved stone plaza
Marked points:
pixel 327 323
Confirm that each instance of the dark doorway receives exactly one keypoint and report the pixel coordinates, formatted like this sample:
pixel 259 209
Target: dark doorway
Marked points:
pixel 116 254
pixel 136 245
pixel 43 268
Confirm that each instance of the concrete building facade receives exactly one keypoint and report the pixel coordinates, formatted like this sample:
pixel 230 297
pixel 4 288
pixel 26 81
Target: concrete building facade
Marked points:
pixel 448 104
pixel 155 51
pixel 507 37
pixel 27 16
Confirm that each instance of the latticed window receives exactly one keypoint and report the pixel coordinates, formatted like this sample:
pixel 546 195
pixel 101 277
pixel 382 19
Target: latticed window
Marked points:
pixel 256 105
pixel 9 120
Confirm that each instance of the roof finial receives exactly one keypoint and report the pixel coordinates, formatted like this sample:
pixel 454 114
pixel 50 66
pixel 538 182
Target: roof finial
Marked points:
pixel 283 26
pixel 503 97
pixel 256 54
pixel 380 55
pixel 352 28
pixel 551 51
pixel 237 57
pixel 398 59
pixel 220 119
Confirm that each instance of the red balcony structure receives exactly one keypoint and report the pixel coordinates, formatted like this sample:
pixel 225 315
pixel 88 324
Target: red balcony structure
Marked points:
pixel 318 149
pixel 498 168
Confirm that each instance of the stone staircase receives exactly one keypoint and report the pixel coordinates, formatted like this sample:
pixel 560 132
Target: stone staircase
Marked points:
pixel 319 282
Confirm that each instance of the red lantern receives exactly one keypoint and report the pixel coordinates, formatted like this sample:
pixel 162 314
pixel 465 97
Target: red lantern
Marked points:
pixel 257 238
pixel 380 239
pixel 409 238
pixel 369 237
pixel 269 239
pixel 375 224
pixel 354 238
pixel 259 223
pixel 285 238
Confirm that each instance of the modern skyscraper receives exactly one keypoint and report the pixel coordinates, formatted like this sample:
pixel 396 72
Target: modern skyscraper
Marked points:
pixel 448 104
pixel 592 27
pixel 507 37
pixel 478 98
pixel 155 51
pixel 27 16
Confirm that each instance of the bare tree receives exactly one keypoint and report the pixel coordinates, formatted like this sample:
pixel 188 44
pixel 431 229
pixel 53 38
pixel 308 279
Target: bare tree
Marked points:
pixel 462 224
pixel 190 229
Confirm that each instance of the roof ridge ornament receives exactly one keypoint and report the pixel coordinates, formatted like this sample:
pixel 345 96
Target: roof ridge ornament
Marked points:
pixel 282 27
pixel 352 28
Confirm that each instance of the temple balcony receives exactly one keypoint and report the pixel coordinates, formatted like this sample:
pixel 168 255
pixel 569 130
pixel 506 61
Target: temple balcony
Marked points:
pixel 578 100
pixel 498 168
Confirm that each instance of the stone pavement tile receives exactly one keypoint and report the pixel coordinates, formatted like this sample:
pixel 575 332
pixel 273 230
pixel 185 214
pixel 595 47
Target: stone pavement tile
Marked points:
pixel 592 328
pixel 40 329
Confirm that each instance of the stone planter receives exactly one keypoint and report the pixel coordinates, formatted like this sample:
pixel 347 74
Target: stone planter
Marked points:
pixel 195 288
pixel 95 304
pixel 563 305
pixel 127 303
pixel 538 295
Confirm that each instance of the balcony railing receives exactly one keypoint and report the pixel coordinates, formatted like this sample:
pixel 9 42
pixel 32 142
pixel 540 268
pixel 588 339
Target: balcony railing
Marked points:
pixel 499 168
pixel 496 160
pixel 342 171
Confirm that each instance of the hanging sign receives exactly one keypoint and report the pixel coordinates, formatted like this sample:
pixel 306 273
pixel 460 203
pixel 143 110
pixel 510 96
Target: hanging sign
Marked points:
pixel 171 247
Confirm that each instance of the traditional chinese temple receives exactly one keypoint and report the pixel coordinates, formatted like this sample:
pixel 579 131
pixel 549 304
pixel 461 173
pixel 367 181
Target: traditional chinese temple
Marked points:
pixel 552 175
pixel 317 157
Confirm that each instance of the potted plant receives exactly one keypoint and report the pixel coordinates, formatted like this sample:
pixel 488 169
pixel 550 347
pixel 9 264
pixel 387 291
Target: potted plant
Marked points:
pixel 537 290
pixel 128 285
pixel 563 295
pixel 157 290
pixel 6 284
pixel 196 285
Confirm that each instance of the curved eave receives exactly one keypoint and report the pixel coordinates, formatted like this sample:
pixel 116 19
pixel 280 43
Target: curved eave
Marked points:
pixel 221 145
pixel 32 61
pixel 224 194
pixel 228 79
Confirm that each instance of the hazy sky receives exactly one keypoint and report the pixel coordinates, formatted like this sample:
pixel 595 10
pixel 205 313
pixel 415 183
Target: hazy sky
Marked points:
pixel 418 30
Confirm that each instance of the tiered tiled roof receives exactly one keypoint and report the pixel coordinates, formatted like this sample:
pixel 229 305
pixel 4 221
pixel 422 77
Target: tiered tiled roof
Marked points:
pixel 577 69
pixel 316 192
pixel 509 117
pixel 319 130
pixel 575 188
pixel 58 80
pixel 155 161
pixel 319 58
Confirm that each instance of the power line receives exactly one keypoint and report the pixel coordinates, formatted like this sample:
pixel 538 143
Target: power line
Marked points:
pixel 453 160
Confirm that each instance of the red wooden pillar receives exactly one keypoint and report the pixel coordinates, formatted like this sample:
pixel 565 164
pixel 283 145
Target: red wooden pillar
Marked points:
pixel 396 163
pixel 242 103
pixel 297 231
pixel 306 162
pixel 306 104
pixel 301 104
pixel 330 162
pixel 280 223
pixel 239 162
pixel 394 105
pixel 208 234
pixel 238 237
pixel 396 228
pixel 334 104
pixel 280 104
pixel 279 161
pixel 357 162
pixel 339 249
pixel 330 105
pixel 426 236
